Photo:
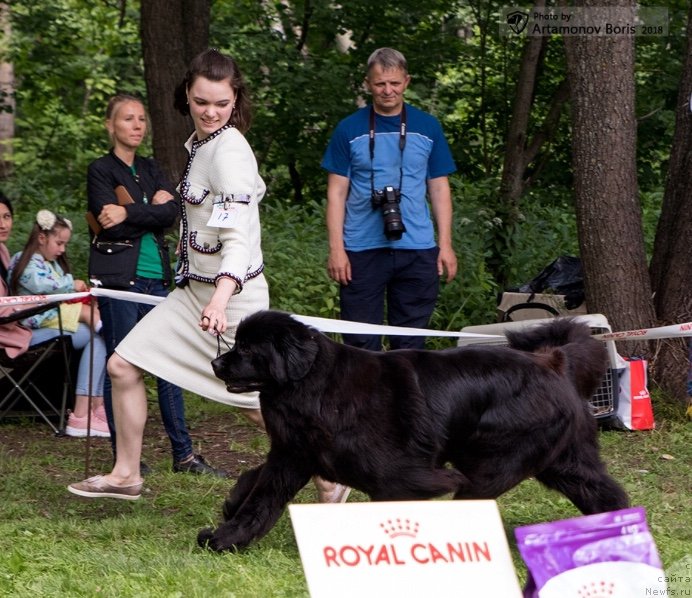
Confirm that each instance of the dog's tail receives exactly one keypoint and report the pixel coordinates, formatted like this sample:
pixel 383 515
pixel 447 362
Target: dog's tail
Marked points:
pixel 587 357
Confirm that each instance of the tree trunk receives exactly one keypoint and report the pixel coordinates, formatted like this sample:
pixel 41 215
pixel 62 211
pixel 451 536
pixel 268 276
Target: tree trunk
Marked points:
pixel 173 32
pixel 609 222
pixel 7 99
pixel 671 266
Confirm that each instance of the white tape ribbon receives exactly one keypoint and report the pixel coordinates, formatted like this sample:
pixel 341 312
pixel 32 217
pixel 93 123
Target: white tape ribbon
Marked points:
pixel 345 326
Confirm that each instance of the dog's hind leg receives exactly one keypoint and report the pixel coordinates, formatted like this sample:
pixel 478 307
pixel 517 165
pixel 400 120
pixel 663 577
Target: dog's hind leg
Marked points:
pixel 584 480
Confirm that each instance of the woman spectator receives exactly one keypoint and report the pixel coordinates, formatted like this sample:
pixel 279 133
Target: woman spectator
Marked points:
pixel 15 337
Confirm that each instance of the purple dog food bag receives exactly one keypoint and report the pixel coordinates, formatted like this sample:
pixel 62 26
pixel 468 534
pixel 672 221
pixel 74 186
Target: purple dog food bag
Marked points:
pixel 607 555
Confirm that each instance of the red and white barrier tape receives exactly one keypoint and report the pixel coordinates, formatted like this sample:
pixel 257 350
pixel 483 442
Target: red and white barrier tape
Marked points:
pixel 344 326
pixel 672 331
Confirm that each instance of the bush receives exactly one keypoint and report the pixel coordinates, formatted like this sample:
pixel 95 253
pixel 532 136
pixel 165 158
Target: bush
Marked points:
pixel 295 252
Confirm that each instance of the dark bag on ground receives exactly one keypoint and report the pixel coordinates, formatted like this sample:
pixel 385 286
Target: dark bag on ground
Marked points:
pixel 563 276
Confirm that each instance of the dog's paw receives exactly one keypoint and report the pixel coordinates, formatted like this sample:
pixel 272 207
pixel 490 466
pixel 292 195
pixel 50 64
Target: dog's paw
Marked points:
pixel 205 537
pixel 209 538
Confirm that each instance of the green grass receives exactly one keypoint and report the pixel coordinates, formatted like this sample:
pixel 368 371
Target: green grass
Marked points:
pixel 53 544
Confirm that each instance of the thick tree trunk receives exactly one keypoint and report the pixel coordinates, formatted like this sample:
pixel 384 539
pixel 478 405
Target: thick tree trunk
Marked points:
pixel 173 32
pixel 611 241
pixel 7 99
pixel 671 266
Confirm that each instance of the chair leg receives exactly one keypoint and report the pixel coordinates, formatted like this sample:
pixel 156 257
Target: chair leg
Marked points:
pixel 23 385
pixel 20 392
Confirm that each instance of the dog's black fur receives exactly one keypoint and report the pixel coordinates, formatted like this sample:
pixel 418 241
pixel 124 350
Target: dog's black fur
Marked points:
pixel 410 424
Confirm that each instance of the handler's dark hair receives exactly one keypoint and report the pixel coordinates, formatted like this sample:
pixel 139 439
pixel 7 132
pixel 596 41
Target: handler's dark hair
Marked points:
pixel 215 66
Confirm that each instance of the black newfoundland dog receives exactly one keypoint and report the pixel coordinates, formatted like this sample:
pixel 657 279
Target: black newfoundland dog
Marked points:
pixel 410 424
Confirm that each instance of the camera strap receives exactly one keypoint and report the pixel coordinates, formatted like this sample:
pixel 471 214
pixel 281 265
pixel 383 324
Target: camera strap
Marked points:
pixel 402 145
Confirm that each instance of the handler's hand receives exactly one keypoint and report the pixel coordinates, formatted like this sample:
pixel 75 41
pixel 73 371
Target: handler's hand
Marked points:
pixel 80 286
pixel 213 319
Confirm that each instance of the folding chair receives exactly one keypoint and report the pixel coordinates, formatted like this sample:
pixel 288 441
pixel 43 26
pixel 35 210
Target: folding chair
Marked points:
pixel 20 376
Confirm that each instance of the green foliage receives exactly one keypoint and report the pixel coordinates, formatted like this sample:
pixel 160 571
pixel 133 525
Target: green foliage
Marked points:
pixel 69 56
pixel 546 231
pixel 305 64
pixel 303 82
pixel 295 251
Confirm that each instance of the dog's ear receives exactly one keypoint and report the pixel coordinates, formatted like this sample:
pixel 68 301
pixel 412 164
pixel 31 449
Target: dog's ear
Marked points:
pixel 292 359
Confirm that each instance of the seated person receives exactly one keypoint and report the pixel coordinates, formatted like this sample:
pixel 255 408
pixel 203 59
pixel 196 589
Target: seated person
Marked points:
pixel 42 268
pixel 14 337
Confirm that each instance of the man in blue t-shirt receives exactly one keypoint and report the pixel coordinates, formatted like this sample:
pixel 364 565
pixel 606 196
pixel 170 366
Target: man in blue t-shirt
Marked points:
pixel 385 162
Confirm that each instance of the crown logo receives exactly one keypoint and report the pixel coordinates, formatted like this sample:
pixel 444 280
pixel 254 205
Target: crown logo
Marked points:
pixel 601 589
pixel 400 527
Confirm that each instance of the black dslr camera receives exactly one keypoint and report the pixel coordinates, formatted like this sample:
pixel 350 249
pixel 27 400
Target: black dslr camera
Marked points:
pixel 388 200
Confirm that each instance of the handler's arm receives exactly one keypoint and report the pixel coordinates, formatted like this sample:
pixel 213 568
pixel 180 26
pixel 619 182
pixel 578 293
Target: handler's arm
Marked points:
pixel 338 265
pixel 441 203
pixel 213 317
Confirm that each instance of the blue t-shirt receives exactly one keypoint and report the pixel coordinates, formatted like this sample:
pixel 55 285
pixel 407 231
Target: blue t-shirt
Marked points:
pixel 426 156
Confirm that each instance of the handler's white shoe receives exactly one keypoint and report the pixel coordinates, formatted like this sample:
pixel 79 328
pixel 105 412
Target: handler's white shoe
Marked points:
pixel 338 493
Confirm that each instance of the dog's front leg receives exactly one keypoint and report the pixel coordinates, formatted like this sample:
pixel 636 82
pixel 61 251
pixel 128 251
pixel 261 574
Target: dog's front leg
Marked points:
pixel 239 493
pixel 236 497
pixel 252 510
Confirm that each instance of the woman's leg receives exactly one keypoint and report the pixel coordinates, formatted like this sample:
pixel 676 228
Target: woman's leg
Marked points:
pixel 255 416
pixel 92 369
pixel 130 410
pixel 130 406
pixel 118 317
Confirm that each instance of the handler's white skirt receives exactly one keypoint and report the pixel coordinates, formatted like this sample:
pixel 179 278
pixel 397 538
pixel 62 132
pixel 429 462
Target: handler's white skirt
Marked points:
pixel 169 343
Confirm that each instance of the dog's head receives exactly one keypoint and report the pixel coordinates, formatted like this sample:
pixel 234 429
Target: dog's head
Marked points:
pixel 271 349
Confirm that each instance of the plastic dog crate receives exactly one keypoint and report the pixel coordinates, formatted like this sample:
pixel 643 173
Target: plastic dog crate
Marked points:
pixel 604 402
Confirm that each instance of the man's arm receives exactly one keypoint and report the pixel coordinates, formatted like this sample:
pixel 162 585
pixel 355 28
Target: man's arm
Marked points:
pixel 441 203
pixel 338 265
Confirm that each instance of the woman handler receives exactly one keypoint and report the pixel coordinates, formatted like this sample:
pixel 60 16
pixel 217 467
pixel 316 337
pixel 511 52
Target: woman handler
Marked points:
pixel 220 274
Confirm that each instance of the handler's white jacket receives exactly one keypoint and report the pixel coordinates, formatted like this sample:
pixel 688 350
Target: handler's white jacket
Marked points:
pixel 221 169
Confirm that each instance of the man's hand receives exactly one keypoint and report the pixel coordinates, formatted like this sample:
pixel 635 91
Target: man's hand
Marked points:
pixel 339 267
pixel 447 262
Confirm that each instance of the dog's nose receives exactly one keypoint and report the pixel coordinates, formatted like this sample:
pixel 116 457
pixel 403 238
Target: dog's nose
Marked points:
pixel 217 366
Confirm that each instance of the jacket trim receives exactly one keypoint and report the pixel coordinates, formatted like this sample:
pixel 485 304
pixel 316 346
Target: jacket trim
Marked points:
pixel 186 274
pixel 203 248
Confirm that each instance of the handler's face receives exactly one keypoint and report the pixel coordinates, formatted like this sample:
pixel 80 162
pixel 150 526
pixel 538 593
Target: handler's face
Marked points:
pixel 387 88
pixel 211 105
